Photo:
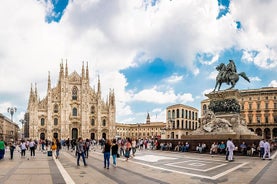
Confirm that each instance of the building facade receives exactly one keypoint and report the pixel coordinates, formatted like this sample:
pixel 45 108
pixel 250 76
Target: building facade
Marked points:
pixel 71 109
pixel 181 120
pixel 258 107
pixel 145 130
pixel 8 129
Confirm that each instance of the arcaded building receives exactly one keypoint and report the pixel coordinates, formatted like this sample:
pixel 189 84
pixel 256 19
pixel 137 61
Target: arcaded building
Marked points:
pixel 258 107
pixel 71 109
pixel 147 130
pixel 181 120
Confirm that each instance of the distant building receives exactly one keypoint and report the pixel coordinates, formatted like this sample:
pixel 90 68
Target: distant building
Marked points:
pixel 181 120
pixel 259 109
pixel 141 130
pixel 8 129
pixel 71 109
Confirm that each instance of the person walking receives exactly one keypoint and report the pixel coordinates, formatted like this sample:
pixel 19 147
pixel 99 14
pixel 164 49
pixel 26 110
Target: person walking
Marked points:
pixel 114 152
pixel 87 145
pixel 80 151
pixel 32 145
pixel 128 149
pixel 2 148
pixel 107 153
pixel 266 150
pixel 23 148
pixel 261 147
pixel 12 148
pixel 59 146
pixel 231 148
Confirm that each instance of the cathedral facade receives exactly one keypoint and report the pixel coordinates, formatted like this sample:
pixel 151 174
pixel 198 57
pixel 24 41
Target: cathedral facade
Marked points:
pixel 72 109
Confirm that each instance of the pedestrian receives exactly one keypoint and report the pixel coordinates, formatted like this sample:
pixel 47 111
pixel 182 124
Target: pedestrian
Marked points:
pixel 53 145
pixel 2 148
pixel 59 146
pixel 87 145
pixel 266 150
pixel 23 148
pixel 80 151
pixel 231 148
pixel 32 146
pixel 107 153
pixel 114 152
pixel 134 145
pixel 261 147
pixel 128 149
pixel 12 148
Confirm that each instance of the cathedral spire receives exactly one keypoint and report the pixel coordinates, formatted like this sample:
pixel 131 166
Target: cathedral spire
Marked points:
pixel 148 118
pixel 36 91
pixel 83 71
pixel 99 87
pixel 31 97
pixel 61 72
pixel 49 82
pixel 87 73
pixel 31 91
pixel 66 69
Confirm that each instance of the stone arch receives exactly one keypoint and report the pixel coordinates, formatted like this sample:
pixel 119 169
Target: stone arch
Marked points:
pixel 267 133
pixel 259 131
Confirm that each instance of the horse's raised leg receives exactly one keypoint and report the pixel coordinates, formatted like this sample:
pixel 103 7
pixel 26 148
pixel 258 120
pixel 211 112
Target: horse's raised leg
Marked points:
pixel 219 86
pixel 215 86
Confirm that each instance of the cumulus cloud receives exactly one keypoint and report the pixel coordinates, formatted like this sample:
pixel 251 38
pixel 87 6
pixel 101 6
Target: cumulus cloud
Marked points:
pixel 152 95
pixel 273 83
pixel 114 35
pixel 257 79
pixel 174 79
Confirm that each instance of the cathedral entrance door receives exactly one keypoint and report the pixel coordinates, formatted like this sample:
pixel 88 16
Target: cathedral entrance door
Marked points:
pixel 104 136
pixel 92 136
pixel 55 135
pixel 42 136
pixel 74 133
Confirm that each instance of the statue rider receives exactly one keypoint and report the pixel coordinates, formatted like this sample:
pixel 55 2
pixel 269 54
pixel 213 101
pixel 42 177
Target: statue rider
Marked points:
pixel 231 68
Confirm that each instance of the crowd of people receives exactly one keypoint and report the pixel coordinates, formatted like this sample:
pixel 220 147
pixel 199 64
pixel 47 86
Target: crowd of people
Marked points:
pixel 127 148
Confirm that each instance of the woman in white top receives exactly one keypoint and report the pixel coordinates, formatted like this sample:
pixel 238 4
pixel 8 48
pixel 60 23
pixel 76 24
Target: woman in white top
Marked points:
pixel 23 148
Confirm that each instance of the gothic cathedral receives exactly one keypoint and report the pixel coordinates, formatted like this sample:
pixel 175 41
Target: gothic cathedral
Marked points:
pixel 72 109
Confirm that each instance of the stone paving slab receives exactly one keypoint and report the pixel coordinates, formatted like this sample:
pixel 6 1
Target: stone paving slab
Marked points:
pixel 147 167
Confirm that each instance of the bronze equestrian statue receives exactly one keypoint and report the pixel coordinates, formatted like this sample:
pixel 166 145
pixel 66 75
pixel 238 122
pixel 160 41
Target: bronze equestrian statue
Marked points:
pixel 228 74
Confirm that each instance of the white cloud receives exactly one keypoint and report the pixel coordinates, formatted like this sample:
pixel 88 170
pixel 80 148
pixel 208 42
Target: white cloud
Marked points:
pixel 213 75
pixel 253 79
pixel 114 35
pixel 153 96
pixel 273 83
pixel 174 78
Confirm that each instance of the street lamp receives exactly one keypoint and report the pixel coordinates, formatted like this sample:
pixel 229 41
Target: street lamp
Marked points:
pixel 22 121
pixel 11 110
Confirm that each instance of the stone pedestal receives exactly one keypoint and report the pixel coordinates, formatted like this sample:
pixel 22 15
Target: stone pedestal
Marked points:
pixel 223 119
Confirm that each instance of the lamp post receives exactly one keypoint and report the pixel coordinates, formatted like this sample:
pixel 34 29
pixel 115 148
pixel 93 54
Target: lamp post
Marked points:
pixel 11 110
pixel 22 121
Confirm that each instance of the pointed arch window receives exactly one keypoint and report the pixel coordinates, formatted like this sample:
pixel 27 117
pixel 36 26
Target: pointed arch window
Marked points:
pixel 104 122
pixel 74 93
pixel 92 122
pixel 56 121
pixel 74 111
pixel 92 109
pixel 42 121
pixel 56 108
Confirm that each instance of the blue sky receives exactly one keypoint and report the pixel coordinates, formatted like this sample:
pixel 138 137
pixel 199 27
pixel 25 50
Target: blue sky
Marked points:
pixel 153 53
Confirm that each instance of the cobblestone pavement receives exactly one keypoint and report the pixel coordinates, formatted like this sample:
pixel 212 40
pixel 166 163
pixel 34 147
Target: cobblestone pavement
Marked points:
pixel 147 167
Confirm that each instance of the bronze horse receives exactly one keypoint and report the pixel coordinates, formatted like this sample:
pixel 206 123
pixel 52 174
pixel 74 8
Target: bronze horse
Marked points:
pixel 232 77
